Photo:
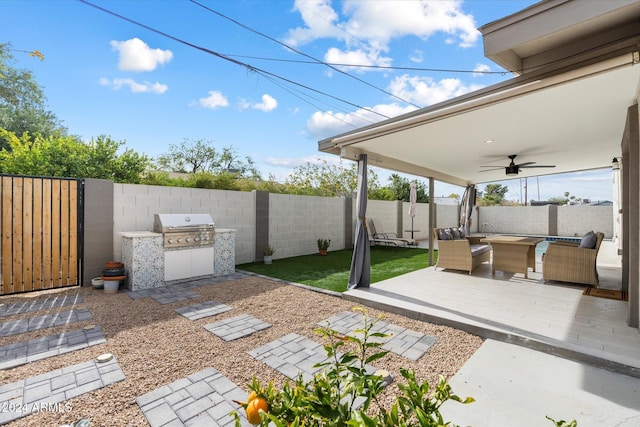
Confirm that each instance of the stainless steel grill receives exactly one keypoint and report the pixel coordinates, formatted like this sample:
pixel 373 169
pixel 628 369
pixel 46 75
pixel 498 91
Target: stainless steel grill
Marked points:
pixel 184 230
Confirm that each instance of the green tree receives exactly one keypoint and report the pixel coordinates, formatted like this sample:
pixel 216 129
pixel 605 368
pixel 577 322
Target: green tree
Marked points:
pixel 323 179
pixel 494 194
pixel 22 101
pixel 401 187
pixel 65 156
pixel 194 156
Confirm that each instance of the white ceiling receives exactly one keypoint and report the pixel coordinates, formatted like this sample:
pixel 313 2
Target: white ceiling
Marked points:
pixel 574 122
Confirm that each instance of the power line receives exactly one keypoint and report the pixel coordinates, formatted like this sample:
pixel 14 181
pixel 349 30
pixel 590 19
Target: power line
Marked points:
pixel 316 60
pixel 249 67
pixel 379 67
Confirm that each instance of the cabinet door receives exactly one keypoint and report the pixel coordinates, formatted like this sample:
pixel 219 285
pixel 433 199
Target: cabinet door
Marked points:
pixel 177 265
pixel 202 261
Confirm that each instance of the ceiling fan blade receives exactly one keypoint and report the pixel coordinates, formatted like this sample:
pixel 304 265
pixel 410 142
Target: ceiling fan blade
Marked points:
pixel 525 164
pixel 538 166
pixel 494 168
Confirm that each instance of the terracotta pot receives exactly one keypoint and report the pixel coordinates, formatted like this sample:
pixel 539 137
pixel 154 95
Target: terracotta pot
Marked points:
pixel 323 252
pixel 113 264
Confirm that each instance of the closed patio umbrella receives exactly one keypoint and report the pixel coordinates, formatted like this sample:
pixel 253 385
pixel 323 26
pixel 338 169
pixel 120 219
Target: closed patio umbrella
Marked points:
pixel 413 198
pixel 466 208
pixel 360 273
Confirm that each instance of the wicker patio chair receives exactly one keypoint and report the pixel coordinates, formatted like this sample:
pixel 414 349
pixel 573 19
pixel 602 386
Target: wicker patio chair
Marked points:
pixel 568 262
pixel 460 253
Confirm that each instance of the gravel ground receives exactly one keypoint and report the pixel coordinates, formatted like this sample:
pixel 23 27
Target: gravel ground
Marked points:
pixel 154 345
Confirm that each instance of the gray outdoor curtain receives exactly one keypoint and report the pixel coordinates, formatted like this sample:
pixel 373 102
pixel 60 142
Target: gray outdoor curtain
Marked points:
pixel 466 208
pixel 360 273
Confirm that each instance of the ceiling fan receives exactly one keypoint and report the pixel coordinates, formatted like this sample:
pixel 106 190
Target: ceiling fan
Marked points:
pixel 512 169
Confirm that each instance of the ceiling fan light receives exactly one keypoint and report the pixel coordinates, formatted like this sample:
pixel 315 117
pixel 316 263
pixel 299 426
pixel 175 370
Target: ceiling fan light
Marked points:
pixel 511 170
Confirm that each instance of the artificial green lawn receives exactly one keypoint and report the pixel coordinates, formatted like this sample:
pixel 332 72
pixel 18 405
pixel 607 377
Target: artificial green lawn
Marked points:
pixel 332 271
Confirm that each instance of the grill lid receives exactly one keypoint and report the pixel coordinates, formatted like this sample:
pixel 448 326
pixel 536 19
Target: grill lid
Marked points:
pixel 163 223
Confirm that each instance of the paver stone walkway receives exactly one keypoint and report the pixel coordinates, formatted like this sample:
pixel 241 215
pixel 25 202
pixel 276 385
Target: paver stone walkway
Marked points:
pixel 17 354
pixel 402 341
pixel 201 399
pixel 236 327
pixel 22 398
pixel 28 324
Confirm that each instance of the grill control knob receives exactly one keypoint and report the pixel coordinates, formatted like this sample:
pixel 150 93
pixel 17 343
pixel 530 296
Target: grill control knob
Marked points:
pixel 188 239
pixel 197 239
pixel 179 239
pixel 170 241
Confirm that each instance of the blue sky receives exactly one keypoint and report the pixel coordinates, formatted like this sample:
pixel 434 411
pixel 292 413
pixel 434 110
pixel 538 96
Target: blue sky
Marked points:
pixel 104 75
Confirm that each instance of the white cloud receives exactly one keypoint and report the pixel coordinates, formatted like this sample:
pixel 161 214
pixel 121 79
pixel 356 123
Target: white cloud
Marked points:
pixel 480 69
pixel 369 26
pixel 214 100
pixel 356 57
pixel 425 91
pixel 324 124
pixel 135 87
pixel 136 55
pixel 416 56
pixel 268 103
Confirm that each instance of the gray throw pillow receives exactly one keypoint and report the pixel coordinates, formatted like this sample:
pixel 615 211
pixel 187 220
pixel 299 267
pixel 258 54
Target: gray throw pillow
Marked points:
pixel 456 233
pixel 589 240
pixel 442 234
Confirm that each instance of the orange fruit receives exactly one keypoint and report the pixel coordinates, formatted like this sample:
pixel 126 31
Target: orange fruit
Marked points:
pixel 253 409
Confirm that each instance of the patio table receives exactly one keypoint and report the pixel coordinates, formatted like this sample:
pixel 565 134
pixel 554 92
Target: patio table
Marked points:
pixel 513 253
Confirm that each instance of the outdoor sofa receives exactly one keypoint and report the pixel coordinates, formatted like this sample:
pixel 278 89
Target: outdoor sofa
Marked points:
pixel 573 262
pixel 459 252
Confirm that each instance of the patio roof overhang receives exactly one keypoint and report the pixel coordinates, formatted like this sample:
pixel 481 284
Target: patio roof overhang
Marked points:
pixel 573 119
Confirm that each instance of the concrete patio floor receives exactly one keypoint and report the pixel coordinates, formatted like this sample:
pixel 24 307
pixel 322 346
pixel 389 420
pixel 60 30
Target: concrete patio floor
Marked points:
pixel 552 317
pixel 550 350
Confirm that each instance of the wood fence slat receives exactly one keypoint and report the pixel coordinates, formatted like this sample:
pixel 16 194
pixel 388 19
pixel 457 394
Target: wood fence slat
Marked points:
pixel 64 233
pixel 73 233
pixel 18 284
pixel 27 234
pixel 37 234
pixel 7 236
pixel 47 276
pixel 55 235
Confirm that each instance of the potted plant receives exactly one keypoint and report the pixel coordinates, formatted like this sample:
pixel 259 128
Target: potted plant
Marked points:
pixel 268 254
pixel 323 245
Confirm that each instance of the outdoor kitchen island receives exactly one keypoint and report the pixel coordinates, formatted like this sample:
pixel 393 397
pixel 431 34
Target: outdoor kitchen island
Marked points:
pixel 150 264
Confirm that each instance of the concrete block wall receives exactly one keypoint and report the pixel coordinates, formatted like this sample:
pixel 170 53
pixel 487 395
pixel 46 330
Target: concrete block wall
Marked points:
pixel 447 216
pixel 385 211
pixel 297 222
pixel 577 220
pixel 530 220
pixel 135 206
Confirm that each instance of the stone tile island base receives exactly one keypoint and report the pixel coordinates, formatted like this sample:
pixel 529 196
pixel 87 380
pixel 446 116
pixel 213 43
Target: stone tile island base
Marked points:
pixel 143 256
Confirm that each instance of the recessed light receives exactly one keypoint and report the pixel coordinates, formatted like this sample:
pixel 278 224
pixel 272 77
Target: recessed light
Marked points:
pixel 488 141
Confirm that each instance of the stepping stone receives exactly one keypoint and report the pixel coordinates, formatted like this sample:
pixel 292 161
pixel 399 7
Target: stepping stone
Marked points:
pixel 294 354
pixel 236 327
pixel 402 341
pixel 164 295
pixel 203 399
pixel 39 304
pixel 49 391
pixel 204 309
pixel 28 324
pixel 17 354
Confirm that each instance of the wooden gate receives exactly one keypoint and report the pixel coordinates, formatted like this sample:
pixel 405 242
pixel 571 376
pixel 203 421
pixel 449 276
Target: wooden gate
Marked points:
pixel 40 233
